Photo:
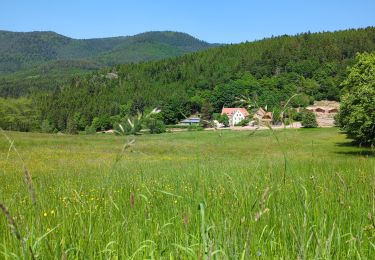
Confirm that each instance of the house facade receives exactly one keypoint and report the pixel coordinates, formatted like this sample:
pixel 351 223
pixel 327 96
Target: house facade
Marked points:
pixel 235 114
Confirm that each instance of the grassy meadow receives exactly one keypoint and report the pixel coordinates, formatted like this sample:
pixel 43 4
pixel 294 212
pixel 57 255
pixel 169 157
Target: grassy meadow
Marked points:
pixel 289 194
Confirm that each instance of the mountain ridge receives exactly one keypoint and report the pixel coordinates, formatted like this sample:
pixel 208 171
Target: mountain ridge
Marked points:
pixel 43 60
pixel 23 50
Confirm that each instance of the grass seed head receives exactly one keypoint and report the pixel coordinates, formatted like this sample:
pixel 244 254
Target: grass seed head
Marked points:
pixel 186 219
pixel 11 221
pixel 29 183
pixel 132 200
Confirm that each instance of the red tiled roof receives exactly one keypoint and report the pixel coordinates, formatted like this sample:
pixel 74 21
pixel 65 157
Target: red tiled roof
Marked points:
pixel 231 110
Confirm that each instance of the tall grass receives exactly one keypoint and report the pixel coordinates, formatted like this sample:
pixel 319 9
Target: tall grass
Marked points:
pixel 189 195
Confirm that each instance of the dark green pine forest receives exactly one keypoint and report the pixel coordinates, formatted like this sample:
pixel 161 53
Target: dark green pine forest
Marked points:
pixel 267 72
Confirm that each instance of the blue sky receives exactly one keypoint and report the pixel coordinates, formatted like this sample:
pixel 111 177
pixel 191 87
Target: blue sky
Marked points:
pixel 219 21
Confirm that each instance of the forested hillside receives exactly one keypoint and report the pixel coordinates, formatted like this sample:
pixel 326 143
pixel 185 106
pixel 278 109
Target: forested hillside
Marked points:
pixel 268 72
pixel 37 61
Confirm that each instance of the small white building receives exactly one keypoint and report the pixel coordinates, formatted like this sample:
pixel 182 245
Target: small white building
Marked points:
pixel 235 114
pixel 191 121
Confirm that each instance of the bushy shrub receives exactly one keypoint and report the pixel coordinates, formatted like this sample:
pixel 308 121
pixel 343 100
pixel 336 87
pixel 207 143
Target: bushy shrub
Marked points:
pixel 244 122
pixel 101 123
pixel 89 130
pixel 216 116
pixel 309 120
pixel 96 123
pixel 155 126
pixel 224 119
pixel 46 126
pixel 298 116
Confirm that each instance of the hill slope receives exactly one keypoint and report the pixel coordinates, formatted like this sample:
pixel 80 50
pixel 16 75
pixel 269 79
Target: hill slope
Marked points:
pixel 30 55
pixel 21 50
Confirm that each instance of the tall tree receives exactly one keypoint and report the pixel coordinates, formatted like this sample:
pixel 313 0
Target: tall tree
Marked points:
pixel 357 111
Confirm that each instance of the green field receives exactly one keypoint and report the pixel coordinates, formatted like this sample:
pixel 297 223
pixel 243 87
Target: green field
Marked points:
pixel 190 195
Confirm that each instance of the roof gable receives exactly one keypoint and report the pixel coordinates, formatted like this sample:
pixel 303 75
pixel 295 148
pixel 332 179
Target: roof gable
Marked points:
pixel 231 110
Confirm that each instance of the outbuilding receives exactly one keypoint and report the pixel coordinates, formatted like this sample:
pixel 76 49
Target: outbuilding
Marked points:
pixel 191 121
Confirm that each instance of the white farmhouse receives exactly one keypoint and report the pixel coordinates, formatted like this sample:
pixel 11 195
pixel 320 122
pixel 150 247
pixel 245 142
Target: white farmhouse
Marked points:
pixel 235 114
